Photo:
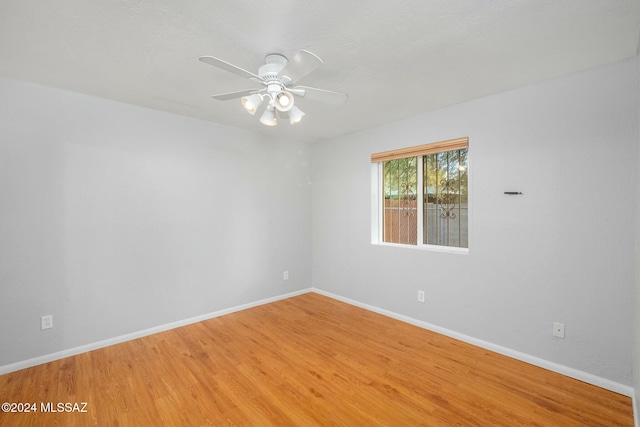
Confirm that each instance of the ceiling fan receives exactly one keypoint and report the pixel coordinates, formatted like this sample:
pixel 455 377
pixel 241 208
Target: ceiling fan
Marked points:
pixel 278 75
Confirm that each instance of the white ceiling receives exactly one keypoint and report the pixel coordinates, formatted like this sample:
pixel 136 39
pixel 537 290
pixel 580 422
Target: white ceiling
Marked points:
pixel 394 58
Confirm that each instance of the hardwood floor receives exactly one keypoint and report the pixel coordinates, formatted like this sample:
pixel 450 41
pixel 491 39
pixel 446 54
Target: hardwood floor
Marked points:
pixel 307 360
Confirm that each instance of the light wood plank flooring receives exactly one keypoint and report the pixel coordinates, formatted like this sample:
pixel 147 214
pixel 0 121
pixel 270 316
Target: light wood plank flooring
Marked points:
pixel 307 360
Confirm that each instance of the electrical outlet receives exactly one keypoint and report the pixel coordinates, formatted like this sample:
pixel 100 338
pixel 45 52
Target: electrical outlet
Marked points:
pixel 285 275
pixel 558 329
pixel 420 296
pixel 46 322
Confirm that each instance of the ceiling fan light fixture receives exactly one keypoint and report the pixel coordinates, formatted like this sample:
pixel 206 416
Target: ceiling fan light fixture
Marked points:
pixel 251 103
pixel 283 101
pixel 269 117
pixel 295 115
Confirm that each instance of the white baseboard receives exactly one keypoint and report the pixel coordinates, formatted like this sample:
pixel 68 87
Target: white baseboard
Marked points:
pixel 552 366
pixel 139 334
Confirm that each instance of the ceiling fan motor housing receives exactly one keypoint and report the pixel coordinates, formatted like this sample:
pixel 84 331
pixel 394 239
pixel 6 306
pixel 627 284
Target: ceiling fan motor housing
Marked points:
pixel 274 63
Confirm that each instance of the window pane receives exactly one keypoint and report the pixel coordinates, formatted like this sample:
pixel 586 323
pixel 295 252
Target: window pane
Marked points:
pixel 445 198
pixel 400 193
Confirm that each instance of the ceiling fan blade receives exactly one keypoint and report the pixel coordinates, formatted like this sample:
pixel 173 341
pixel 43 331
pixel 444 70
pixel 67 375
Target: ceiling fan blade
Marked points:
pixel 321 95
pixel 211 60
pixel 234 95
pixel 300 65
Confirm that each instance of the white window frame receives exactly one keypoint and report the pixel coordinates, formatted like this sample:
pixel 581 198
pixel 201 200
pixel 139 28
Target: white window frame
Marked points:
pixel 377 211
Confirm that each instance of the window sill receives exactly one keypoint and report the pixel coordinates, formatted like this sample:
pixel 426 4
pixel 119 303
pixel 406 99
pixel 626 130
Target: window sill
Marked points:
pixel 429 248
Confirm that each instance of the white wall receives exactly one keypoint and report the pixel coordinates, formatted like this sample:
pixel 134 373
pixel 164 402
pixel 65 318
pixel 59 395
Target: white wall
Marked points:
pixel 115 218
pixel 636 350
pixel 563 251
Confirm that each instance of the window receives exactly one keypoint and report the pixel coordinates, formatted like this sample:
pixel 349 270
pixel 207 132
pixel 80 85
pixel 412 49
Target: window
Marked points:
pixel 400 179
pixel 422 195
